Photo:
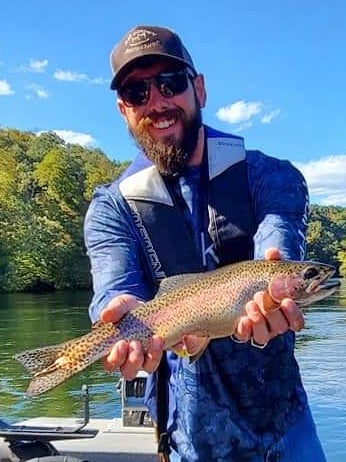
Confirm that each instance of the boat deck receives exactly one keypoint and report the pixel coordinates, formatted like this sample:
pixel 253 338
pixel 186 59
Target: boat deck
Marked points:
pixel 128 438
pixel 113 442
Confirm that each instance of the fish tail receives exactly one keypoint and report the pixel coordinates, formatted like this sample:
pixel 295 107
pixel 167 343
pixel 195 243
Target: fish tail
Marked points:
pixel 35 360
pixel 43 383
pixel 49 367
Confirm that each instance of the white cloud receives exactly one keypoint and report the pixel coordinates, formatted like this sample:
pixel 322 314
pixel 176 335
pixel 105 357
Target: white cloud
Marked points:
pixel 5 88
pixel 35 65
pixel 243 114
pixel 244 126
pixel 326 179
pixel 267 118
pixel 240 111
pixel 38 65
pixel 41 93
pixel 76 137
pixel 69 76
pixel 37 90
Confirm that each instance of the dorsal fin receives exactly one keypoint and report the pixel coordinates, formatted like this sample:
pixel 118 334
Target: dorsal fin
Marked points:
pixel 179 280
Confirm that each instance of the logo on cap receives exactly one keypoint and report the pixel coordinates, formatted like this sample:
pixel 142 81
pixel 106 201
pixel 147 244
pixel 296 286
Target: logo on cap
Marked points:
pixel 141 39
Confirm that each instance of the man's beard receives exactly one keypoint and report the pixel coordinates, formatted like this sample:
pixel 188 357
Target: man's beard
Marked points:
pixel 170 155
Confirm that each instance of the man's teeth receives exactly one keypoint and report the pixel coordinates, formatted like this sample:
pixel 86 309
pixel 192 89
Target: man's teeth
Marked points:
pixel 163 124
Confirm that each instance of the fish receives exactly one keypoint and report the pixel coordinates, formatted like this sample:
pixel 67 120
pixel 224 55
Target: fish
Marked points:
pixel 188 310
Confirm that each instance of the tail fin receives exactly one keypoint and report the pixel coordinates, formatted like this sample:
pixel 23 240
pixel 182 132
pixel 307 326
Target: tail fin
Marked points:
pixel 49 367
pixel 39 358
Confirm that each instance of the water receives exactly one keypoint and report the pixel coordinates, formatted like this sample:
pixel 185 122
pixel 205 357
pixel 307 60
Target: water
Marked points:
pixel 321 353
pixel 30 320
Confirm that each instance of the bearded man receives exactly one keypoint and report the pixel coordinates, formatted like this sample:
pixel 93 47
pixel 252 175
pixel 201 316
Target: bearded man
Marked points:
pixel 195 199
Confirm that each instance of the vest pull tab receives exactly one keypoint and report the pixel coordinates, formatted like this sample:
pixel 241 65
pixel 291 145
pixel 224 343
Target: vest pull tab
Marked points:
pixel 208 251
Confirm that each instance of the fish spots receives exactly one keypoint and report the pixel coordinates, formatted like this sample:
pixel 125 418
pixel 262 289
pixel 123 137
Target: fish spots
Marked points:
pixel 207 305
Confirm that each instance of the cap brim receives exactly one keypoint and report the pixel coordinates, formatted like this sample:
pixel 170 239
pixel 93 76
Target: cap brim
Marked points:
pixel 125 68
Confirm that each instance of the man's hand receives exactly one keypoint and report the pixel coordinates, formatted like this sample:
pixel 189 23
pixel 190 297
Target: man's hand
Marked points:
pixel 129 357
pixel 261 326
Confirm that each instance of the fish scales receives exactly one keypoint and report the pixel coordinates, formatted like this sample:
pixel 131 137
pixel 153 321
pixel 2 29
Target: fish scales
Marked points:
pixel 201 305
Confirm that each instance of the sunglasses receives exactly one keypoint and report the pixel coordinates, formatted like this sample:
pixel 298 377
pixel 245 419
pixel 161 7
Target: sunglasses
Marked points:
pixel 169 84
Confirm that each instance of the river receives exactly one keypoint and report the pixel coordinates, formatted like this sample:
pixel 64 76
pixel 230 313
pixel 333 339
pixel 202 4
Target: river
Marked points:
pixel 29 320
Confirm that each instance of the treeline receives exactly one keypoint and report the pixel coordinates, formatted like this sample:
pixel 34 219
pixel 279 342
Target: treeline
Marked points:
pixel 326 238
pixel 45 188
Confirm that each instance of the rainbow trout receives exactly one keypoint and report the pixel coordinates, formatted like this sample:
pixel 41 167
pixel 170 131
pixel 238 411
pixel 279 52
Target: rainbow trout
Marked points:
pixel 189 308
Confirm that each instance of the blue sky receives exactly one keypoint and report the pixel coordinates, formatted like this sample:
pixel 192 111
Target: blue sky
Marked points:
pixel 274 69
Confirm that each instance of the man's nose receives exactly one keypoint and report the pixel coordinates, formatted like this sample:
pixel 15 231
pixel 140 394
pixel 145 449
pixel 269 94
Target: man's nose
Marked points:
pixel 156 99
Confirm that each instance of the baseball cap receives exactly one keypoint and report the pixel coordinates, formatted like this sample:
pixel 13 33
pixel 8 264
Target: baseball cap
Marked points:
pixel 144 41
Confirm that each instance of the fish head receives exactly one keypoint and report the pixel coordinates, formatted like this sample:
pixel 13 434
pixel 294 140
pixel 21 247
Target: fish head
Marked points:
pixel 305 282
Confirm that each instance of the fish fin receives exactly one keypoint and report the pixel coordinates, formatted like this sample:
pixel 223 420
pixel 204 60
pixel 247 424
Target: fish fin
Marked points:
pixel 49 366
pixel 173 282
pixel 43 383
pixel 39 358
pixel 191 346
pixel 180 351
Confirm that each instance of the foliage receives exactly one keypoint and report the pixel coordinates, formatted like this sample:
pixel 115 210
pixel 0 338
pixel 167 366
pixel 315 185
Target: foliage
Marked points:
pixel 45 188
pixel 326 238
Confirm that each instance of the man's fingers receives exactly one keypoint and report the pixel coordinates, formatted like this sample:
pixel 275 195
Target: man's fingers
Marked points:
pixel 116 357
pixel 293 314
pixel 272 254
pixel 130 357
pixel 275 319
pixel 260 330
pixel 243 331
pixel 134 361
pixel 153 355
pixel 118 307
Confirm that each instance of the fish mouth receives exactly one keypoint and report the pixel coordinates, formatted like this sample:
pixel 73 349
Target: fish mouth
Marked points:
pixel 320 290
pixel 324 282
pixel 327 287
pixel 333 282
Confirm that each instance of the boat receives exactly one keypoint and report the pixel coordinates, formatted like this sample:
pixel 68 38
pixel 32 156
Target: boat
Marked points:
pixel 129 437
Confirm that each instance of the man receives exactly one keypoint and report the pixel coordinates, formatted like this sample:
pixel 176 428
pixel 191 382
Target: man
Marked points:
pixel 195 199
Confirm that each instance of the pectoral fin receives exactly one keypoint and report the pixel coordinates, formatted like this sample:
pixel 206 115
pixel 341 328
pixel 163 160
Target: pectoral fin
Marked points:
pixel 192 347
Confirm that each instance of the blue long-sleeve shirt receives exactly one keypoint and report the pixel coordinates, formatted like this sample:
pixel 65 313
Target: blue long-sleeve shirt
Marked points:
pixel 280 202
pixel 249 396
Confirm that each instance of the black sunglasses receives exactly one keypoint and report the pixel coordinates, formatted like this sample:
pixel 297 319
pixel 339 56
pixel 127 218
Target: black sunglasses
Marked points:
pixel 169 84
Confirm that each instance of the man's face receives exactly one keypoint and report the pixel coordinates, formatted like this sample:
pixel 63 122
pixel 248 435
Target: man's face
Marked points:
pixel 166 127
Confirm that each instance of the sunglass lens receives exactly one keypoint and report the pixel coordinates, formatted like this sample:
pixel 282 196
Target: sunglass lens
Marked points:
pixel 135 93
pixel 172 84
pixel 169 84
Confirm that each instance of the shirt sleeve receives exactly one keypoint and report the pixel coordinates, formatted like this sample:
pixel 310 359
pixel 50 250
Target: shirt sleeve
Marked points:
pixel 116 258
pixel 280 198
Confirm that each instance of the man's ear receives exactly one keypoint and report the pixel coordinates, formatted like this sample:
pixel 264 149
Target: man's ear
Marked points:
pixel 200 90
pixel 121 107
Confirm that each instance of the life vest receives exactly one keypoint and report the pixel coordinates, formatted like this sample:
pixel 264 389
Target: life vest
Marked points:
pixel 170 249
pixel 230 217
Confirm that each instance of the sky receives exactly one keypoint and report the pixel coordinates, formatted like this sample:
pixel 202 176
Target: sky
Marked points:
pixel 275 73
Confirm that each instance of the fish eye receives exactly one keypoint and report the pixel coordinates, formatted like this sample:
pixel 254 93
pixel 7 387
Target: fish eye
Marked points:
pixel 310 273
